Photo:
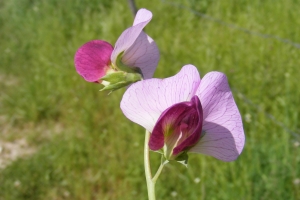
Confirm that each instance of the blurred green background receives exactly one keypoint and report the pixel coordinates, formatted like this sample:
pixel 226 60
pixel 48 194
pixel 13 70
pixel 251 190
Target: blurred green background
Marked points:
pixel 75 143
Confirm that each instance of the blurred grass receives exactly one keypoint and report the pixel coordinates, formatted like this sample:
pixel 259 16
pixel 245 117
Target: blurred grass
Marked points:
pixel 86 148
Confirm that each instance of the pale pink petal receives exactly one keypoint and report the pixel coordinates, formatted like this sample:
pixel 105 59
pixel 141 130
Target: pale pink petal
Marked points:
pixel 224 135
pixel 129 36
pixel 144 101
pixel 141 16
pixel 92 60
pixel 143 54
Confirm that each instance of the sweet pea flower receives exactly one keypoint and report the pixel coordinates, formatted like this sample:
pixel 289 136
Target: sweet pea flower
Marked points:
pixel 134 52
pixel 186 114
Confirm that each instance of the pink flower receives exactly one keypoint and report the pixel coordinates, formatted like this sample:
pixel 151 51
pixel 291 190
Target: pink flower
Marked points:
pixel 134 50
pixel 186 114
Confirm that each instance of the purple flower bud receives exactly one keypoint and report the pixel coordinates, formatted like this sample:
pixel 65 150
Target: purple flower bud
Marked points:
pixel 178 128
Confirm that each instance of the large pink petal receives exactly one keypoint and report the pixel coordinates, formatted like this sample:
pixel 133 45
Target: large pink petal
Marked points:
pixel 128 37
pixel 224 135
pixel 143 54
pixel 92 60
pixel 144 101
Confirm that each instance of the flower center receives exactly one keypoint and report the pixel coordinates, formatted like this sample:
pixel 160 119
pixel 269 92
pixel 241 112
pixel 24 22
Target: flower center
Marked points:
pixel 178 128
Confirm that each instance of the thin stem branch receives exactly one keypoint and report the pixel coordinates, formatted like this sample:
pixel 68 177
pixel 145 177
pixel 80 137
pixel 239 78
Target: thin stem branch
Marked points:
pixel 154 179
pixel 150 183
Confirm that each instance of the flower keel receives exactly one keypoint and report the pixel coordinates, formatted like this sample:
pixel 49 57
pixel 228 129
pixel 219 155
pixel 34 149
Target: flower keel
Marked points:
pixel 178 128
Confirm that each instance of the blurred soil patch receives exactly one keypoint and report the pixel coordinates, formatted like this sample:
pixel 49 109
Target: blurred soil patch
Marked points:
pixel 8 80
pixel 10 151
pixel 18 137
pixel 21 140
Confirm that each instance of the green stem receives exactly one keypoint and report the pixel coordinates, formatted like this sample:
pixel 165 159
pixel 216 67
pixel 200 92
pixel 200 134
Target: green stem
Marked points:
pixel 158 172
pixel 150 183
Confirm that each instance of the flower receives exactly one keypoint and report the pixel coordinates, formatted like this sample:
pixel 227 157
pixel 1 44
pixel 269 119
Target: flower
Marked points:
pixel 134 52
pixel 187 115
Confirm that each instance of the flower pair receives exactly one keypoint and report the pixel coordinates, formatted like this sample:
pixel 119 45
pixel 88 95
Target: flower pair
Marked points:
pixel 183 113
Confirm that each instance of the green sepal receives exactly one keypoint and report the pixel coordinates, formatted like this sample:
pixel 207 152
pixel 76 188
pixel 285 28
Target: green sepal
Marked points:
pixel 122 67
pixel 113 87
pixel 183 159
pixel 160 151
pixel 119 79
pixel 114 77
pixel 163 160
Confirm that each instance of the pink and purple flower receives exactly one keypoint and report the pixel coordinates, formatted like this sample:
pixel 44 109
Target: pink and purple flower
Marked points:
pixel 186 114
pixel 134 50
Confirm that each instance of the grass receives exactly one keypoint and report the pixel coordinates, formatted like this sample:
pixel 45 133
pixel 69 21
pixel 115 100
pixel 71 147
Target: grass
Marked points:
pixel 87 149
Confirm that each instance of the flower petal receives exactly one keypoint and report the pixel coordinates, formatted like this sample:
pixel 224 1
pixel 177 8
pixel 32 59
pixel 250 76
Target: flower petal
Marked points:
pixel 194 127
pixel 143 54
pixel 141 16
pixel 128 37
pixel 167 127
pixel 92 60
pixel 144 101
pixel 222 126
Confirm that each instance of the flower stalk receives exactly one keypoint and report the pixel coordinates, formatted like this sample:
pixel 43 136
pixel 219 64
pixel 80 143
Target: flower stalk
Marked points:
pixel 150 182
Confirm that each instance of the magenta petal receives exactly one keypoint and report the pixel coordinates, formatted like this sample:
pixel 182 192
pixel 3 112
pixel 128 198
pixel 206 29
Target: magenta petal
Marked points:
pixel 92 60
pixel 194 127
pixel 222 126
pixel 167 125
pixel 181 124
pixel 143 54
pixel 144 101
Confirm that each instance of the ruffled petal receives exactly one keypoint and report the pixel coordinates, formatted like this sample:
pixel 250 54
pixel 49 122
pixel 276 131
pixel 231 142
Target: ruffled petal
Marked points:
pixel 128 37
pixel 92 60
pixel 144 101
pixel 143 54
pixel 222 126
